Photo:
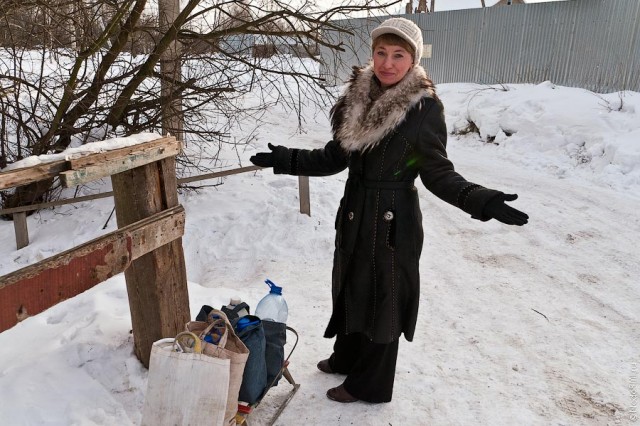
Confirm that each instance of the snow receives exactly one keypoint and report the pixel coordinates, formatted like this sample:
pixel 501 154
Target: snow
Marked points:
pixel 533 325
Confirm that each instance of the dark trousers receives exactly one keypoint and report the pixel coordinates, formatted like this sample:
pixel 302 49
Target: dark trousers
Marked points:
pixel 370 367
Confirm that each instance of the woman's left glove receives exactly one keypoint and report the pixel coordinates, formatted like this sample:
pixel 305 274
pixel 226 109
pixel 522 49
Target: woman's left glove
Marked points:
pixel 263 159
pixel 497 209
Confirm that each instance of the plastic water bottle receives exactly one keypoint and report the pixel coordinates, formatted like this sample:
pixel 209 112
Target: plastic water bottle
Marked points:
pixel 273 307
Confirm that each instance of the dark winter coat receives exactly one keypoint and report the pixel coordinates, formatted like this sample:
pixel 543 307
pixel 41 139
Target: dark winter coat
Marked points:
pixel 386 139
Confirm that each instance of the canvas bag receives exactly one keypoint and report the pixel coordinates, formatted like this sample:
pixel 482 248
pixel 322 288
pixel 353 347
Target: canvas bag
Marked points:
pixel 229 347
pixel 185 388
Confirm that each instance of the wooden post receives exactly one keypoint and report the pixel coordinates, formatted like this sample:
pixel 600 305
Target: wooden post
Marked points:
pixel 157 281
pixel 22 232
pixel 305 202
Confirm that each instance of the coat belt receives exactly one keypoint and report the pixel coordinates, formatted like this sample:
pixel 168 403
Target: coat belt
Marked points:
pixel 377 184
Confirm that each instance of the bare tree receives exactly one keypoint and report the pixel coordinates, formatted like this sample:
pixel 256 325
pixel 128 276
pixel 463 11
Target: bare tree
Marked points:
pixel 75 71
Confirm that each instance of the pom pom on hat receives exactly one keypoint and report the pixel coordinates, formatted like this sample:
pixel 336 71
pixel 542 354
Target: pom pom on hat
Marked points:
pixel 405 29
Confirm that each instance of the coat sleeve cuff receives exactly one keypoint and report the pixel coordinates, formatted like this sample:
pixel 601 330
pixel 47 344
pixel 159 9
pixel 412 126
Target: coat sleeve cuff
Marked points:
pixel 472 199
pixel 285 160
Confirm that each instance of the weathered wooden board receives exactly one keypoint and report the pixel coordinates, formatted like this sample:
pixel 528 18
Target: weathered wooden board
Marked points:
pixel 163 228
pixel 26 175
pixel 118 161
pixel 305 200
pixel 91 159
pixel 56 203
pixel 37 287
pixel 20 227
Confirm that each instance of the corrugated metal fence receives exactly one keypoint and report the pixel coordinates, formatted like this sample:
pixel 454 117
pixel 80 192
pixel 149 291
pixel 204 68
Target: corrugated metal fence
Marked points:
pixel 594 44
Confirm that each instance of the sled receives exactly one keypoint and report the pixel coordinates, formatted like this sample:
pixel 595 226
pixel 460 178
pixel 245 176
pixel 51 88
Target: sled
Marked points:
pixel 245 411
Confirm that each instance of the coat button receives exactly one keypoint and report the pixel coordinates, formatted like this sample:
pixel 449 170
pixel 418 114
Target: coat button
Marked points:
pixel 350 215
pixel 388 216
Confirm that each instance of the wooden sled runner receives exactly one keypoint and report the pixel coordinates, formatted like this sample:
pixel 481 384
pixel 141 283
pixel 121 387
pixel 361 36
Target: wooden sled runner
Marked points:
pixel 243 416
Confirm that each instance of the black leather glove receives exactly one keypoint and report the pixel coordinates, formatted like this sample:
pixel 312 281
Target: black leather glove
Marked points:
pixel 263 159
pixel 498 210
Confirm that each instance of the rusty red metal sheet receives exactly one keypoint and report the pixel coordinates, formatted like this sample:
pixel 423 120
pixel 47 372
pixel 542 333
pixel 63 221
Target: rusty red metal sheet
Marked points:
pixel 31 290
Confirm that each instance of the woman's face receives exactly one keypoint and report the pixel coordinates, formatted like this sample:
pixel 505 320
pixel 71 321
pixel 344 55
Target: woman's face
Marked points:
pixel 391 63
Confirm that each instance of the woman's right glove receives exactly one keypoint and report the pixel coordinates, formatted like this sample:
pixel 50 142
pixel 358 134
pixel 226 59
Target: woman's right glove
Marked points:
pixel 497 209
pixel 263 159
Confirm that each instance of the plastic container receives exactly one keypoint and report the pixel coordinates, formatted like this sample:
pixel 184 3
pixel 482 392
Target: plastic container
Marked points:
pixel 273 307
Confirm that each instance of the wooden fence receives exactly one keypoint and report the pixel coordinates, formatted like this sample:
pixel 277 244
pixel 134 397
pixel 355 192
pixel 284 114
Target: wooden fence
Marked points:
pixel 147 246
pixel 20 213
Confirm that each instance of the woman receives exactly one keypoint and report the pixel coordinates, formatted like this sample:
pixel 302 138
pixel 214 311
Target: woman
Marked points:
pixel 388 129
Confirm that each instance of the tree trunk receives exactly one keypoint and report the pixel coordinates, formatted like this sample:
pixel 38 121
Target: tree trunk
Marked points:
pixel 170 69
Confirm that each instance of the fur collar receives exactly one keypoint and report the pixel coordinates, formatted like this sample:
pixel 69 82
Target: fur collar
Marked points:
pixel 361 119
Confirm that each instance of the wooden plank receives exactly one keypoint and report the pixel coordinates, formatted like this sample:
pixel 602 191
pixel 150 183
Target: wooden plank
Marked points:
pixel 118 164
pixel 91 159
pixel 219 174
pixel 22 232
pixel 37 287
pixel 25 175
pixel 162 229
pixel 305 201
pixel 62 202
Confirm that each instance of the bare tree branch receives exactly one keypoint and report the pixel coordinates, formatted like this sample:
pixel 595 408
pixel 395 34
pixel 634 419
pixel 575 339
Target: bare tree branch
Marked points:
pixel 74 71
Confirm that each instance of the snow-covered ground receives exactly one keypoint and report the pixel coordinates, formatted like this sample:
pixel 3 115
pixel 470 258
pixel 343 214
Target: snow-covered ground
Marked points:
pixel 533 325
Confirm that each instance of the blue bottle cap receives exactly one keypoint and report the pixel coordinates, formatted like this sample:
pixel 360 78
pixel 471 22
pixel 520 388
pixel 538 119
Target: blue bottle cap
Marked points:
pixel 274 288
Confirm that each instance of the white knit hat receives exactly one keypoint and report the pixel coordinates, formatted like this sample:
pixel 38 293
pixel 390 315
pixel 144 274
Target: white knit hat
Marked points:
pixel 404 28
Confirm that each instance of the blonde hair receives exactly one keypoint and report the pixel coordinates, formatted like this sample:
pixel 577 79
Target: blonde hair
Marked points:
pixel 394 40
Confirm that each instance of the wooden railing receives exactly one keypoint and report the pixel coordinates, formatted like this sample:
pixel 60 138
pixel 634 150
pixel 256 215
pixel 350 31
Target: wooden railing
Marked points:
pixel 20 213
pixel 147 246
